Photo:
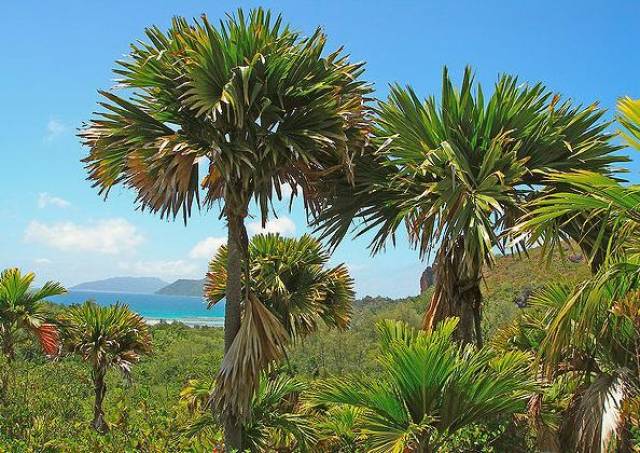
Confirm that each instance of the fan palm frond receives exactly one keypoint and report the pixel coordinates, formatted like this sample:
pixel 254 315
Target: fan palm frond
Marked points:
pixel 429 388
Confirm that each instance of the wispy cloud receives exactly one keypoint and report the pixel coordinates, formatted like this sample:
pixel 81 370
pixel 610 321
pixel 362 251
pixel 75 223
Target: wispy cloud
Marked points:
pixel 110 236
pixel 207 247
pixel 54 129
pixel 45 199
pixel 42 261
pixel 282 225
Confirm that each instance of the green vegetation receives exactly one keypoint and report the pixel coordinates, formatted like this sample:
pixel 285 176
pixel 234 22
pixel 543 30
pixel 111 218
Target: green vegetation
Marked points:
pixel 429 388
pixel 51 402
pixel 300 365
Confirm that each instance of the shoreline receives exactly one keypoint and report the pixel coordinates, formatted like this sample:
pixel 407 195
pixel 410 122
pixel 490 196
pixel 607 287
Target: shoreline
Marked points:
pixel 188 321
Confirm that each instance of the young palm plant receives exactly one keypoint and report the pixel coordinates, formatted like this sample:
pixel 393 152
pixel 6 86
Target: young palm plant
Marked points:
pixel 105 337
pixel 278 421
pixel 22 310
pixel 293 293
pixel 251 104
pixel 429 388
pixel 457 172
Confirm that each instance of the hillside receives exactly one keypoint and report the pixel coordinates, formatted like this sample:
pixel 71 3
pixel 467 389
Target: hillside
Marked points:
pixel 183 287
pixel 514 274
pixel 142 285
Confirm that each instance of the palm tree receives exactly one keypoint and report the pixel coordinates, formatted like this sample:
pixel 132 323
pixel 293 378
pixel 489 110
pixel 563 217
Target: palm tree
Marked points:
pixel 457 173
pixel 429 388
pixel 250 102
pixel 105 337
pixel 587 341
pixel 278 421
pixel 592 330
pixel 22 309
pixel 293 293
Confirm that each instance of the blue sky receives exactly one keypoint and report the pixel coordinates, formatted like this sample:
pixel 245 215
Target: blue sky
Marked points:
pixel 57 54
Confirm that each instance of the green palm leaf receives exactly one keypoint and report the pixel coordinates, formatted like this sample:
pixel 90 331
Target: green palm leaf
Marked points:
pixel 429 388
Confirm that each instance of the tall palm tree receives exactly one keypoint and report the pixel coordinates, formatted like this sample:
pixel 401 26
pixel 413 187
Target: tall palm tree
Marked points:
pixel 457 172
pixel 293 293
pixel 429 388
pixel 105 337
pixel 249 102
pixel 278 421
pixel 22 309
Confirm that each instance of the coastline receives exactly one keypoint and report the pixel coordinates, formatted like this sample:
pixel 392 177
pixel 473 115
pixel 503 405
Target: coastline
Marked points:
pixel 204 321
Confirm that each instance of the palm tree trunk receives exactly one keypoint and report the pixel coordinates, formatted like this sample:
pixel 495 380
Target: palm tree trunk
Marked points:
pixel 455 296
pixel 237 250
pixel 100 388
pixel 8 347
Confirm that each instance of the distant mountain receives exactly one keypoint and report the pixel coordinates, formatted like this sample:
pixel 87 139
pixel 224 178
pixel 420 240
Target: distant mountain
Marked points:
pixel 183 287
pixel 142 285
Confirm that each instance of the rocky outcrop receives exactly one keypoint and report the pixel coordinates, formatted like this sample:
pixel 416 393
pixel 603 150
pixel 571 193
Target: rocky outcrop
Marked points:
pixel 427 279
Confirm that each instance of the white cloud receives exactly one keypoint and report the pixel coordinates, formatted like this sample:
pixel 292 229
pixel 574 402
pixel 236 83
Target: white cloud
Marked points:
pixel 168 270
pixel 110 236
pixel 282 225
pixel 43 261
pixel 45 199
pixel 54 129
pixel 207 247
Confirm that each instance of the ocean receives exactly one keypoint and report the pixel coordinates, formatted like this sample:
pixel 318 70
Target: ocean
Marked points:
pixel 154 308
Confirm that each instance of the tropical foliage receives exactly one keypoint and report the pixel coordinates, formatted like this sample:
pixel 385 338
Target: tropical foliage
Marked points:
pixel 240 112
pixel 278 421
pixel 430 387
pixel 458 171
pixel 22 310
pixel 105 337
pixel 293 293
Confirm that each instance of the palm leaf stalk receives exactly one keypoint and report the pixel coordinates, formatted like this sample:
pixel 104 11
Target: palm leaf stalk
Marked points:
pixel 250 103
pixel 294 292
pixel 105 337
pixel 457 172
pixel 429 388
pixel 22 309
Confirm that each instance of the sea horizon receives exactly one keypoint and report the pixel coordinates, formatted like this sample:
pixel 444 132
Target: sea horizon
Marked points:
pixel 154 308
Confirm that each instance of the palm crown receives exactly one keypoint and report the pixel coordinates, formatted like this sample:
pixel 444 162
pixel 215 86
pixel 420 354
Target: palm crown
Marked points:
pixel 106 336
pixel 250 101
pixel 291 279
pixel 23 308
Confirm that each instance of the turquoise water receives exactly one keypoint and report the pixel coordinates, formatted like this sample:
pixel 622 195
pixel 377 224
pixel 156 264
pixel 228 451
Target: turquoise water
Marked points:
pixel 153 307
